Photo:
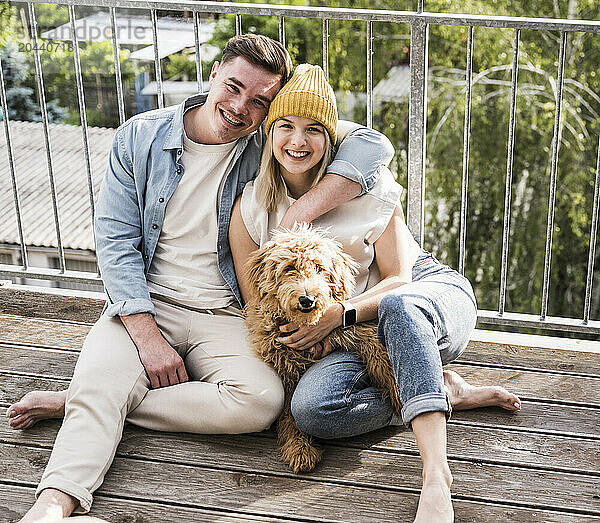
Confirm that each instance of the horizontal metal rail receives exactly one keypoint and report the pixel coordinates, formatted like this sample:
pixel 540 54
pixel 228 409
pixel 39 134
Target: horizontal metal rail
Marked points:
pixel 514 319
pixel 375 15
pixel 40 273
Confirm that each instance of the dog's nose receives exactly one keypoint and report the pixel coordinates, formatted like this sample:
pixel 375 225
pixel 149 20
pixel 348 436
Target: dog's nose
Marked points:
pixel 307 301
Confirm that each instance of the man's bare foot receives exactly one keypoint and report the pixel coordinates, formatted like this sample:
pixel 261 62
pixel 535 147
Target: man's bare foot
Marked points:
pixel 51 505
pixel 464 396
pixel 36 406
pixel 435 504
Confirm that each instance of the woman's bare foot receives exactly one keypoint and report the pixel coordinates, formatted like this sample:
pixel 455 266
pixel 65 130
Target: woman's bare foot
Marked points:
pixel 36 406
pixel 435 504
pixel 464 396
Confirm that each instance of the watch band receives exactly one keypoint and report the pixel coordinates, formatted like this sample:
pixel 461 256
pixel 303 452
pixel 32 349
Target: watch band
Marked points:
pixel 349 315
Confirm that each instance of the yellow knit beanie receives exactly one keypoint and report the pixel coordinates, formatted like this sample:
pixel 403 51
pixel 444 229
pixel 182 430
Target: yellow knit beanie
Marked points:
pixel 307 94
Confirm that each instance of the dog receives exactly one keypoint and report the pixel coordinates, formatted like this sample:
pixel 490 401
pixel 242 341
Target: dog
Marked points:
pixel 294 278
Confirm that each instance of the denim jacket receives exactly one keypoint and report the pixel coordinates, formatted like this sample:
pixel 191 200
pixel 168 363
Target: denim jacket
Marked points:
pixel 144 168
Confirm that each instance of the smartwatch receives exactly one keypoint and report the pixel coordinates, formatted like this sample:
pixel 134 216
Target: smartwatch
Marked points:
pixel 349 316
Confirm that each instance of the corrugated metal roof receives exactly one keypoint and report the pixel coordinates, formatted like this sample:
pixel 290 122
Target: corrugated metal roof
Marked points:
pixel 31 166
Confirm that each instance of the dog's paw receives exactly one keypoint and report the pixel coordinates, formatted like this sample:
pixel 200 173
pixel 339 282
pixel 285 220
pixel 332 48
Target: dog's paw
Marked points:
pixel 301 456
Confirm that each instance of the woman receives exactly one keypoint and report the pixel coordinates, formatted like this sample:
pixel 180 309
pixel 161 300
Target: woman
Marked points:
pixel 426 310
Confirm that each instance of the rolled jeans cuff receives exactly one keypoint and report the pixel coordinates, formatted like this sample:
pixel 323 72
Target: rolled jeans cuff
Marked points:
pixel 430 402
pixel 72 489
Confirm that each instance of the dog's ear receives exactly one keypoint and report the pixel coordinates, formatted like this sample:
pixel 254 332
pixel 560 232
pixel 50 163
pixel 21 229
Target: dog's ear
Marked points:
pixel 343 269
pixel 255 266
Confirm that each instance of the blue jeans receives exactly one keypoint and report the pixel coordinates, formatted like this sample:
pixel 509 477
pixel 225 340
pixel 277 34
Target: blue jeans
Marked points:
pixel 424 325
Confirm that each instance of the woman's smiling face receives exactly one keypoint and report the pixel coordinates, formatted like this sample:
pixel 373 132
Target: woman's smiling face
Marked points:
pixel 298 143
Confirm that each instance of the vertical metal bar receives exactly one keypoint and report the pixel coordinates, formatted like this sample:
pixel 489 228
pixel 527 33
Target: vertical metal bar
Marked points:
pixel 117 60
pixel 198 54
pixel 159 91
pixel 509 173
pixel 238 25
pixel 369 73
pixel 420 6
pixel 552 196
pixel 11 163
pixel 417 123
pixel 326 48
pixel 592 252
pixel 282 30
pixel 44 111
pixel 84 129
pixel 466 142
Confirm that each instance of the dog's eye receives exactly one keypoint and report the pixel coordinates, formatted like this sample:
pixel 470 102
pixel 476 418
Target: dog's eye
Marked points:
pixel 290 270
pixel 318 268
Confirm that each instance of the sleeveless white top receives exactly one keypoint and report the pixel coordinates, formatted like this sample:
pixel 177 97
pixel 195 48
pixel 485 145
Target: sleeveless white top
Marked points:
pixel 356 224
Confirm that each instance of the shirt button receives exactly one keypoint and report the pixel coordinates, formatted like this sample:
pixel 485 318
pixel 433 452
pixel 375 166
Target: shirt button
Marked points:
pixel 154 226
pixel 161 200
pixel 178 170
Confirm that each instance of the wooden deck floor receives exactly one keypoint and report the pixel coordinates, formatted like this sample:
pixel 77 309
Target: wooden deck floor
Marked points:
pixel 541 464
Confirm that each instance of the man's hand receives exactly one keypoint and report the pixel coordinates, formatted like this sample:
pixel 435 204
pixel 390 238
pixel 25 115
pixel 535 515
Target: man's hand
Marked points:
pixel 163 365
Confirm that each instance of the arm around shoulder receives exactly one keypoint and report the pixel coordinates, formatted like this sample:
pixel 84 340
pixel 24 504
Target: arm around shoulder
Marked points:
pixel 361 154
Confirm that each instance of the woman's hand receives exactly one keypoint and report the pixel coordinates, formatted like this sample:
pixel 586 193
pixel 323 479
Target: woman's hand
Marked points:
pixel 311 337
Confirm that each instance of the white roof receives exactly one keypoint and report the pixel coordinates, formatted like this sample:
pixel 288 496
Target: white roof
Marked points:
pixel 31 166
pixel 395 87
pixel 172 87
pixel 173 34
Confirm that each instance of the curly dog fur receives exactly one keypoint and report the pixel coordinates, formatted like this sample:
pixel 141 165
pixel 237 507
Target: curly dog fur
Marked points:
pixel 305 263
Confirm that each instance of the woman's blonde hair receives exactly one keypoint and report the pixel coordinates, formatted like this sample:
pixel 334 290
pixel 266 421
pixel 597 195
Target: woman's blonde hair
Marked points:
pixel 269 185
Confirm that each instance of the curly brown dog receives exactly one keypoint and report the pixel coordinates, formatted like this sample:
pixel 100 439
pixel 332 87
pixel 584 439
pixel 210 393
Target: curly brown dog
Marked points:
pixel 294 278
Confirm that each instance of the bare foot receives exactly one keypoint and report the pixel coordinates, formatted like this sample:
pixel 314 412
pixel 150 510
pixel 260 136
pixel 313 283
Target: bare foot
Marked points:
pixel 435 504
pixel 52 505
pixel 36 406
pixel 464 396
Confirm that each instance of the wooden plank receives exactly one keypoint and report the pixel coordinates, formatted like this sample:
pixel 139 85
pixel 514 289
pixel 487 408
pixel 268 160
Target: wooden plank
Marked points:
pixel 492 445
pixel 558 388
pixel 540 417
pixel 31 360
pixel 16 500
pixel 49 303
pixel 532 357
pixel 364 467
pixel 477 444
pixel 56 333
pixel 38 332
pixel 263 493
pixel 536 417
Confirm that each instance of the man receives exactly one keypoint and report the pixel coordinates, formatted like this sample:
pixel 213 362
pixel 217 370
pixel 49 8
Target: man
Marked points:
pixel 170 351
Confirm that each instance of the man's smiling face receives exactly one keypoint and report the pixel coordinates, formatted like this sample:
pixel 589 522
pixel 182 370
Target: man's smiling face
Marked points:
pixel 238 101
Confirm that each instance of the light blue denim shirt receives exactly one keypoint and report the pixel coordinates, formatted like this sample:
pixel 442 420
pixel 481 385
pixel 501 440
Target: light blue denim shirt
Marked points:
pixel 144 168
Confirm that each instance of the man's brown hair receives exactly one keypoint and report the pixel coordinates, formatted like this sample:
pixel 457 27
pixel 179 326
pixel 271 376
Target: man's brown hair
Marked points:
pixel 262 51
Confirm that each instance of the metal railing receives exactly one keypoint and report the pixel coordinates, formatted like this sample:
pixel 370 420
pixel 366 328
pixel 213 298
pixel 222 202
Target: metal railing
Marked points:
pixel 419 22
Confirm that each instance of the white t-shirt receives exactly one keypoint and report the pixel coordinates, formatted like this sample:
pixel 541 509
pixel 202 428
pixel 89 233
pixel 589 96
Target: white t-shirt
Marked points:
pixel 356 224
pixel 184 268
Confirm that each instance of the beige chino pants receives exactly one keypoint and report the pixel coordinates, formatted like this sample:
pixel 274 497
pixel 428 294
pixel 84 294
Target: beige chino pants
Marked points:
pixel 230 391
